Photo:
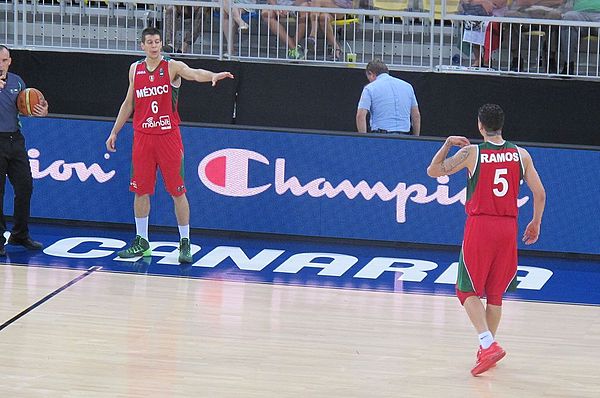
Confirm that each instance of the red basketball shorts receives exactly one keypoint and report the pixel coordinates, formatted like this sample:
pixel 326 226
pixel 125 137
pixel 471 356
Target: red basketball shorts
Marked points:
pixel 152 152
pixel 488 260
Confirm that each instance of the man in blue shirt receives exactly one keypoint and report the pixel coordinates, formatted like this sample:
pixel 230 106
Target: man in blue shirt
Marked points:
pixel 390 101
pixel 14 161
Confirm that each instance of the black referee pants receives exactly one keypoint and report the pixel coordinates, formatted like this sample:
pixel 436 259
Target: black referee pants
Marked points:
pixel 14 163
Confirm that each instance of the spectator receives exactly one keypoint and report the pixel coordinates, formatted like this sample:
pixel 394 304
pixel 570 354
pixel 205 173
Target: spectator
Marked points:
pixel 325 23
pixel 390 101
pixel 482 33
pixel 236 15
pixel 583 10
pixel 14 161
pixel 186 18
pixel 280 27
pixel 536 9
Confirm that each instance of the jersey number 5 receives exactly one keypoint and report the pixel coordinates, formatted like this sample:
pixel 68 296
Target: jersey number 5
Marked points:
pixel 500 180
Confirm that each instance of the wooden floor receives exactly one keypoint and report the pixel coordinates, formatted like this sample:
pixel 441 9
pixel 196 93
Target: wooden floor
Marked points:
pixel 124 335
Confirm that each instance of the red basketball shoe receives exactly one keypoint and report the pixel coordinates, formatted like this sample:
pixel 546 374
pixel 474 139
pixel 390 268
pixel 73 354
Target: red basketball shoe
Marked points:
pixel 479 355
pixel 486 358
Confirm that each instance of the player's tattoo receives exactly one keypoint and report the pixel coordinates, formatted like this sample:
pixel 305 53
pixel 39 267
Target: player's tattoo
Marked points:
pixel 459 158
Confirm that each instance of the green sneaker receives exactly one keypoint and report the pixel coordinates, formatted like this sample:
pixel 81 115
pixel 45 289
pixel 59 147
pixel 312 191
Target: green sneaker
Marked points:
pixel 139 247
pixel 296 53
pixel 185 251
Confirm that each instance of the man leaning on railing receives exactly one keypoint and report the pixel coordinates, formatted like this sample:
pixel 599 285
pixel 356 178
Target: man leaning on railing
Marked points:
pixel 583 10
pixel 534 9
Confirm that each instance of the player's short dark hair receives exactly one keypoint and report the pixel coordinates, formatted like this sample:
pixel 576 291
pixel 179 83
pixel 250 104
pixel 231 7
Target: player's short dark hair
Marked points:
pixel 491 116
pixel 377 67
pixel 150 31
pixel 3 47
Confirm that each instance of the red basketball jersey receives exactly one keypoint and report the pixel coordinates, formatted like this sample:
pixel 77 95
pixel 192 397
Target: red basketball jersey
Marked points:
pixel 155 103
pixel 493 188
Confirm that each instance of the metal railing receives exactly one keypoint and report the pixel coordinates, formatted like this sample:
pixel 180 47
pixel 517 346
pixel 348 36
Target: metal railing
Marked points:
pixel 427 40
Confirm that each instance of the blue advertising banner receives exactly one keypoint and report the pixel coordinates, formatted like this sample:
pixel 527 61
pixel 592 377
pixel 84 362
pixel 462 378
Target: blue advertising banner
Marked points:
pixel 300 184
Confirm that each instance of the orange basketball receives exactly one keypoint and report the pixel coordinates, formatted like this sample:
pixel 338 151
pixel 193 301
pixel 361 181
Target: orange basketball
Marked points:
pixel 27 99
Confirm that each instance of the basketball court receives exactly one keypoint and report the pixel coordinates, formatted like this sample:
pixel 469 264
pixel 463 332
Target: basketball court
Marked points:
pixel 266 317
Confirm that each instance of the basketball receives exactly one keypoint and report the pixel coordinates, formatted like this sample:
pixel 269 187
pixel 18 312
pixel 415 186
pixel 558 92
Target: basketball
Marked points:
pixel 28 99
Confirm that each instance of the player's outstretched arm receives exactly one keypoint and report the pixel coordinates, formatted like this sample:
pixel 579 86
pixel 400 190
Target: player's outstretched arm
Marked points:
pixel 534 182
pixel 198 75
pixel 442 165
pixel 124 114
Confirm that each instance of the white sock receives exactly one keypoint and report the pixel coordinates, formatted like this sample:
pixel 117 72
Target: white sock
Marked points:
pixel 141 227
pixel 184 231
pixel 486 339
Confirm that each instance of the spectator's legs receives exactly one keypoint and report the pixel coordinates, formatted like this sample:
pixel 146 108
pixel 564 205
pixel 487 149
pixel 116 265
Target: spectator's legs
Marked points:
pixel 193 27
pixel 236 15
pixel 569 38
pixel 310 40
pixel 301 22
pixel 272 19
pixel 516 62
pixel 325 20
pixel 172 21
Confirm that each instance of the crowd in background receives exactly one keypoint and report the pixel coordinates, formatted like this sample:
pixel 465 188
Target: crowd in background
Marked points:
pixel 301 35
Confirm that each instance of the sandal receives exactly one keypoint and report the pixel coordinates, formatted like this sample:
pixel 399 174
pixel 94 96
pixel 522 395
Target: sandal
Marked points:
pixel 337 54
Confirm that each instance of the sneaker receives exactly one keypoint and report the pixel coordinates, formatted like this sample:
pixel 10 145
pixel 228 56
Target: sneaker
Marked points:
pixel 185 251
pixel 479 356
pixel 488 358
pixel 27 243
pixel 296 53
pixel 139 247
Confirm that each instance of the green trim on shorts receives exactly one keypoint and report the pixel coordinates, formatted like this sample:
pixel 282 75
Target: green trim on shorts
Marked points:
pixel 463 281
pixel 513 284
pixel 182 167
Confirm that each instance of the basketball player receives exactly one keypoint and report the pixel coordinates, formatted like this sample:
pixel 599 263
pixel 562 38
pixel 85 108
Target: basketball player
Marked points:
pixel 14 161
pixel 488 260
pixel 152 98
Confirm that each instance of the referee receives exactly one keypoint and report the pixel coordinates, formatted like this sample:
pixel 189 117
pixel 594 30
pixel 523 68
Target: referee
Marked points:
pixel 390 101
pixel 14 162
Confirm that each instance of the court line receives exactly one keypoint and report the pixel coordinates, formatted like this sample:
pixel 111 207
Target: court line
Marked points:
pixel 48 297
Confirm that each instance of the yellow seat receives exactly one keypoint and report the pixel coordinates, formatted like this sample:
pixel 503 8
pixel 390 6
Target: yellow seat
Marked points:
pixel 451 7
pixel 348 19
pixel 391 5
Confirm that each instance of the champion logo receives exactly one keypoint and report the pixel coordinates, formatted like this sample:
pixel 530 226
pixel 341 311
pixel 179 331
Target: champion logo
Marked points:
pixel 226 172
